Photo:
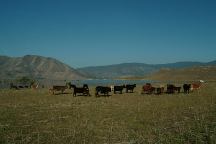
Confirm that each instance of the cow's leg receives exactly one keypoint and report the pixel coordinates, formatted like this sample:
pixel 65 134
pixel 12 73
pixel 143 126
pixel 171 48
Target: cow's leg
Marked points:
pixel 96 94
pixel 179 90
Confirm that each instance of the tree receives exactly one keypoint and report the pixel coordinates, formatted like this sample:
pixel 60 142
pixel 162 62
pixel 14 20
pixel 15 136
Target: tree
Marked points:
pixel 26 80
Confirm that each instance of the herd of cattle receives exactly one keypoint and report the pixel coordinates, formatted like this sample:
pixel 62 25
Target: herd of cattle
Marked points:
pixel 22 86
pixel 146 89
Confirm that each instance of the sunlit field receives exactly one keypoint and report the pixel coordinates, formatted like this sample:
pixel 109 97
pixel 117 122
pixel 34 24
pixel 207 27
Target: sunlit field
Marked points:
pixel 36 116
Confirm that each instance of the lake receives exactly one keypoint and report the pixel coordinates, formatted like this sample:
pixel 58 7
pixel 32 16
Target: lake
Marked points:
pixel 105 82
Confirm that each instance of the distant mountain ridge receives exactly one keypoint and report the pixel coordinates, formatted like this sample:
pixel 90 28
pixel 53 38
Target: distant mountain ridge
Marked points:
pixel 118 70
pixel 135 69
pixel 37 67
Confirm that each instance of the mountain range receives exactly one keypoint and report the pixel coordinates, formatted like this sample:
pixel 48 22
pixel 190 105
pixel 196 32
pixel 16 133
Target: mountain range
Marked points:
pixel 39 67
pixel 36 67
pixel 136 69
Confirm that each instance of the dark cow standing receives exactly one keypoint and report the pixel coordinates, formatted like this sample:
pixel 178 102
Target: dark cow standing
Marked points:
pixel 12 86
pixel 187 88
pixel 159 90
pixel 103 90
pixel 178 89
pixel 172 88
pixel 130 88
pixel 118 89
pixel 83 90
pixel 148 89
pixel 22 86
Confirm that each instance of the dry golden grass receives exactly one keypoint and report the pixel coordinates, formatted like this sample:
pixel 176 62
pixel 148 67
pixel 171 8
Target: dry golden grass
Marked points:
pixel 28 116
pixel 206 73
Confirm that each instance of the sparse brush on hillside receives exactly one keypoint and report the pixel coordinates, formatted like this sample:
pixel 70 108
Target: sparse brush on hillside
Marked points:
pixel 194 73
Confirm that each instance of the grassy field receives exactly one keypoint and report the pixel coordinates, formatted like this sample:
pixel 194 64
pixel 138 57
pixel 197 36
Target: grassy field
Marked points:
pixel 35 116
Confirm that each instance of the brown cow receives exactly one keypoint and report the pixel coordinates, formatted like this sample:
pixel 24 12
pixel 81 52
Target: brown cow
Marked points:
pixel 196 86
pixel 58 88
pixel 148 89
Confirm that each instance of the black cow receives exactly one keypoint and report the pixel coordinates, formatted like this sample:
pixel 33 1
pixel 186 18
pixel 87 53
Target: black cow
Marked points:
pixel 172 88
pixel 178 89
pixel 187 88
pixel 130 88
pixel 103 90
pixel 23 86
pixel 83 90
pixel 159 90
pixel 12 86
pixel 118 89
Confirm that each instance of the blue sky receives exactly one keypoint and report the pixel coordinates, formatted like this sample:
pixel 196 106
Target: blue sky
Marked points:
pixel 101 32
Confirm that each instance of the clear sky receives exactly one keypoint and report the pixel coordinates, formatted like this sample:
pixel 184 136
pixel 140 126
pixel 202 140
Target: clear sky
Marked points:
pixel 100 32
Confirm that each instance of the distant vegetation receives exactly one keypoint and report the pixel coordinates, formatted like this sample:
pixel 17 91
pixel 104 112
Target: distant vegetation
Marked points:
pixel 25 81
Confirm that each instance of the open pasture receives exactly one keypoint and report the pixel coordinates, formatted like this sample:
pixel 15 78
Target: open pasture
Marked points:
pixel 36 116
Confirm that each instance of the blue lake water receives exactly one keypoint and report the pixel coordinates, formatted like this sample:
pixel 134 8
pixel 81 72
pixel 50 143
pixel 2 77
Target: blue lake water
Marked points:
pixel 106 82
pixel 90 82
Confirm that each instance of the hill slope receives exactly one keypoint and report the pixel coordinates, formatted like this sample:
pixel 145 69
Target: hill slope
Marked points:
pixel 119 70
pixel 192 73
pixel 135 69
pixel 36 67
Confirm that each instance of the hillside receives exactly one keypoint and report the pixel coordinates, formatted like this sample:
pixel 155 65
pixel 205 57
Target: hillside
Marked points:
pixel 135 69
pixel 192 73
pixel 37 67
pixel 118 70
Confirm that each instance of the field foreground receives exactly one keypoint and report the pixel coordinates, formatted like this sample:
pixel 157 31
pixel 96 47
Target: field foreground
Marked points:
pixel 28 116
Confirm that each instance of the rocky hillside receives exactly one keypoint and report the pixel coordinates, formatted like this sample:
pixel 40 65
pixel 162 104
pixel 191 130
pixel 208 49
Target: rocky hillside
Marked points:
pixel 37 67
